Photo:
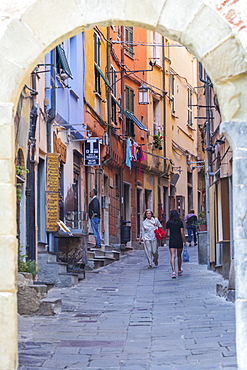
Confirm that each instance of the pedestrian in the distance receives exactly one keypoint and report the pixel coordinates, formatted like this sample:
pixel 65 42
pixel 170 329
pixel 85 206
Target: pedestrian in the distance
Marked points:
pixel 149 224
pixel 176 240
pixel 191 225
pixel 94 215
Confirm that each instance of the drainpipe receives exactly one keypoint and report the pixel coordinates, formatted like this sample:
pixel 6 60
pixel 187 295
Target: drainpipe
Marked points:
pixel 123 126
pixel 52 110
pixel 164 99
pixel 164 118
pixel 209 156
pixel 49 124
pixel 30 183
pixel 109 104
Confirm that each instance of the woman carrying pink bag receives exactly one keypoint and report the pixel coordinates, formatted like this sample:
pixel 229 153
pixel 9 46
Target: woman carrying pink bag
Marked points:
pixel 149 225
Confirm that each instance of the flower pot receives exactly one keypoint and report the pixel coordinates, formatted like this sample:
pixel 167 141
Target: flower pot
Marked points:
pixel 202 227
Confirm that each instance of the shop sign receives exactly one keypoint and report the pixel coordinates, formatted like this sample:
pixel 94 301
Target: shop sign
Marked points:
pixel 92 152
pixel 52 192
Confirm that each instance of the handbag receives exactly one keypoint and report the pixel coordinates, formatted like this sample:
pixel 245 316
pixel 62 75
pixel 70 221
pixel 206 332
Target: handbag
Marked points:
pixel 159 233
pixel 186 257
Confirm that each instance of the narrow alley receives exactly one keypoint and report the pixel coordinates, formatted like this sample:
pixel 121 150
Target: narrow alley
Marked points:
pixel 125 316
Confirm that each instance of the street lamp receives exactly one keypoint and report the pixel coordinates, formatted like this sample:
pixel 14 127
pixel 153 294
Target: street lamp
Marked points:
pixel 143 94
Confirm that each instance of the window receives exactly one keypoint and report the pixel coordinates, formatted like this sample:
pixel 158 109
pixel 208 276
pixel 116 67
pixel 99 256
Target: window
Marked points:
pixel 180 205
pixel 190 189
pixel 113 111
pixel 62 64
pixel 156 48
pixel 112 82
pixel 172 92
pixel 189 103
pixel 129 99
pixel 129 93
pixel 142 131
pixel 156 116
pixel 129 47
pixel 97 61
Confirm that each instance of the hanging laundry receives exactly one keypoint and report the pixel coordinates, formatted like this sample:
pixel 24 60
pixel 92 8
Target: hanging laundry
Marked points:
pixel 141 154
pixel 128 153
pixel 134 151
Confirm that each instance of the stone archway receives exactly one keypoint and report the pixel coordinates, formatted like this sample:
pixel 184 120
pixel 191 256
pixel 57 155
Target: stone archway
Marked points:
pixel 29 28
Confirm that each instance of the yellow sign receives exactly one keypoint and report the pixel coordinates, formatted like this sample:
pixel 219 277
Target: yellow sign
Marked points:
pixel 53 172
pixel 52 194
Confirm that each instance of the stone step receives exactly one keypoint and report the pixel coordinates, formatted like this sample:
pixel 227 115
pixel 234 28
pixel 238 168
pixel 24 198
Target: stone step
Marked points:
pixel 90 254
pixel 96 263
pixel 113 254
pixel 67 279
pixel 106 253
pixel 41 289
pixel 105 259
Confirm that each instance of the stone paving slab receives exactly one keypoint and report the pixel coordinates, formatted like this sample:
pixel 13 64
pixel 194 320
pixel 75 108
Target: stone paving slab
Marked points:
pixel 129 317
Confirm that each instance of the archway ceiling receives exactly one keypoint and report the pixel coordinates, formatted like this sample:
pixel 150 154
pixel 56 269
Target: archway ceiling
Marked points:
pixel 30 28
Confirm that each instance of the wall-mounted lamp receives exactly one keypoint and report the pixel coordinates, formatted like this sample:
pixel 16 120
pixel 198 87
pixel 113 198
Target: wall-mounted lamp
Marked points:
pixel 143 94
pixel 220 141
pixel 194 167
pixel 210 149
pixel 178 169
pixel 196 162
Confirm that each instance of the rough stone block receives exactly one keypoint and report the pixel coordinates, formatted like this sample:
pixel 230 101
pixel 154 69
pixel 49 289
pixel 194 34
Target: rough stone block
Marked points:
pixel 222 68
pixel 230 296
pixel 69 16
pixel 6 113
pixel 195 39
pixel 221 290
pixel 145 12
pixel 50 306
pixel 174 26
pixel 8 249
pixel 20 38
pixel 8 203
pixel 6 150
pixel 13 76
pixel 8 332
pixel 29 297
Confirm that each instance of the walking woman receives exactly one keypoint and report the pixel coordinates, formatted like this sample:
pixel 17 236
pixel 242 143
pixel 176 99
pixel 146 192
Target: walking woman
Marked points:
pixel 176 240
pixel 150 223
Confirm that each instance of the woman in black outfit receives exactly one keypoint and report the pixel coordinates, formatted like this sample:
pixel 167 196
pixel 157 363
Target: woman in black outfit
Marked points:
pixel 177 237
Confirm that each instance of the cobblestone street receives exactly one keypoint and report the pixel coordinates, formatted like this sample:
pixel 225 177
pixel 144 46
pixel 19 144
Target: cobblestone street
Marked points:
pixel 125 316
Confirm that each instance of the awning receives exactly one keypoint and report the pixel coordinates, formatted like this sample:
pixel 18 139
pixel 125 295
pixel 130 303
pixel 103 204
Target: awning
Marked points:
pixel 64 61
pixel 102 75
pixel 130 116
pixel 61 121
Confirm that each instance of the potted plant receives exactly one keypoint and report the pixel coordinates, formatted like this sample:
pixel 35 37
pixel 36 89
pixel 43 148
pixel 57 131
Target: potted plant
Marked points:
pixel 201 222
pixel 27 266
pixel 157 141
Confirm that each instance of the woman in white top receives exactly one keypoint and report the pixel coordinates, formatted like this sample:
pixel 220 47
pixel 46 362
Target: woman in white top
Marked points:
pixel 150 223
